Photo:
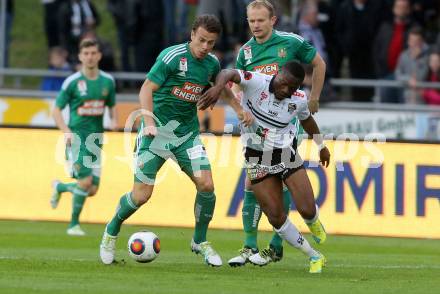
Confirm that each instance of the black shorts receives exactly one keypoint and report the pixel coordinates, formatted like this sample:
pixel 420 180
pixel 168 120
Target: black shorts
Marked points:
pixel 277 162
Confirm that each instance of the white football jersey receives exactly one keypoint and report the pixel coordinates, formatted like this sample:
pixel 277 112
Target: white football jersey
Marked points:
pixel 272 127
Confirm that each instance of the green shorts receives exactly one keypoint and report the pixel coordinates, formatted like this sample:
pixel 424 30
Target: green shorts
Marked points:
pixel 152 152
pixel 84 156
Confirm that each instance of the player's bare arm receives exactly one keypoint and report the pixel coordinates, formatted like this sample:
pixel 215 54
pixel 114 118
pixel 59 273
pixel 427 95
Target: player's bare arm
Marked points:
pixel 146 100
pixel 61 124
pixel 318 77
pixel 309 125
pixel 211 96
pixel 113 119
pixel 244 116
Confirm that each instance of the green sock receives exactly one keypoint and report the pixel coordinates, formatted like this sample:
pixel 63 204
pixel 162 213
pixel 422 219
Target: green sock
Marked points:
pixel 79 197
pixel 203 211
pixel 69 187
pixel 277 241
pixel 251 214
pixel 125 209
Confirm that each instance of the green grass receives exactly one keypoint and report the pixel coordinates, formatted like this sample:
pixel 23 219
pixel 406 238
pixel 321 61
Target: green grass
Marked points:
pixel 37 257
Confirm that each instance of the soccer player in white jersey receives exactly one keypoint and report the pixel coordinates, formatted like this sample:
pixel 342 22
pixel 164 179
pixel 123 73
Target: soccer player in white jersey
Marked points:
pixel 270 145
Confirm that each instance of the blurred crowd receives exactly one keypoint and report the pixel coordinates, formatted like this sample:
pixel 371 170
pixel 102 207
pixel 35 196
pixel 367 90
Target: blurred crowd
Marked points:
pixel 359 39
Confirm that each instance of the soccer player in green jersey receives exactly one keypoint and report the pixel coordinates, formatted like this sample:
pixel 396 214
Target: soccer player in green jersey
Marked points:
pixel 170 129
pixel 266 52
pixel 87 93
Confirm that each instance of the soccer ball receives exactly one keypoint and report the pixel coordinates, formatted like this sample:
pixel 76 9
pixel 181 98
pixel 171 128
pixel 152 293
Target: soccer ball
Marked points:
pixel 143 246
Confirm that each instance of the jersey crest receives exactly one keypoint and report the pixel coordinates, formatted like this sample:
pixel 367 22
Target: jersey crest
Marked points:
pixel 291 107
pixel 282 53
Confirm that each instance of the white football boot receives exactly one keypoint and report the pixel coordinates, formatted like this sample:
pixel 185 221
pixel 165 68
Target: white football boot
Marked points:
pixel 75 231
pixel 243 257
pixel 210 255
pixel 107 248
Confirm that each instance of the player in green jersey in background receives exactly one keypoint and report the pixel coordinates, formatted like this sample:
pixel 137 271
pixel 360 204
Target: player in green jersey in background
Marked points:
pixel 266 52
pixel 170 129
pixel 87 93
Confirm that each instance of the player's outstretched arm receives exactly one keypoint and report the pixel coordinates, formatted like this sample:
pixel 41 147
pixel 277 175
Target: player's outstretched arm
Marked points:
pixel 309 125
pixel 211 96
pixel 318 77
pixel 228 96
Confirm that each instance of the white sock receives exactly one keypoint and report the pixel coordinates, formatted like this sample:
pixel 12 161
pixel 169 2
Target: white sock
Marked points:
pixel 314 219
pixel 290 233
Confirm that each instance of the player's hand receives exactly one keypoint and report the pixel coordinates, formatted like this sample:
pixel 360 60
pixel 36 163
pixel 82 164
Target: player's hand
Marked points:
pixel 209 98
pixel 68 136
pixel 246 118
pixel 324 156
pixel 149 131
pixel 313 105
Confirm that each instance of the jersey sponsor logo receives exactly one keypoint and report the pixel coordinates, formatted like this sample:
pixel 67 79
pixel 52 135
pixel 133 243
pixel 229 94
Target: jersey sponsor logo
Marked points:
pixel 189 92
pixel 82 87
pixel 282 52
pixel 274 113
pixel 104 92
pixel 92 108
pixel 247 52
pixel 268 69
pixel 291 107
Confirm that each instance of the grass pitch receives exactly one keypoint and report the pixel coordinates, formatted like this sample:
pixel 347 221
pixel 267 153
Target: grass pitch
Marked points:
pixel 38 257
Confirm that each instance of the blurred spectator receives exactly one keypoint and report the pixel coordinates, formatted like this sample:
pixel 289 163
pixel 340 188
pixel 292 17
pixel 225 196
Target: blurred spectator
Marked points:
pixel 327 15
pixel 224 11
pixel 74 19
pixel 357 22
pixel 145 27
pixel 51 10
pixel 107 62
pixel 309 28
pixel 8 26
pixel 426 13
pixel 390 41
pixel 432 96
pixel 118 10
pixel 413 65
pixel 57 63
pixel 170 8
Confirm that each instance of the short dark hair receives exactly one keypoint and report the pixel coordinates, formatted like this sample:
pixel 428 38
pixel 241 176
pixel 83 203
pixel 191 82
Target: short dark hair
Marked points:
pixel 209 22
pixel 85 43
pixel 295 69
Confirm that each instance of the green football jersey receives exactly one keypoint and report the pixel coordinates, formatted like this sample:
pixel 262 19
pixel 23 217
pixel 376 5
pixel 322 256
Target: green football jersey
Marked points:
pixel 270 56
pixel 182 80
pixel 87 100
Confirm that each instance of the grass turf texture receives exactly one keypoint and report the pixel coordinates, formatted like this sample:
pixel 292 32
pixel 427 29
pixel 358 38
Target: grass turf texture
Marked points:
pixel 38 257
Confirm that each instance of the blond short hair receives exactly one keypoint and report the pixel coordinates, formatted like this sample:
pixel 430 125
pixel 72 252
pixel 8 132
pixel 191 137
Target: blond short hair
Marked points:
pixel 262 3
